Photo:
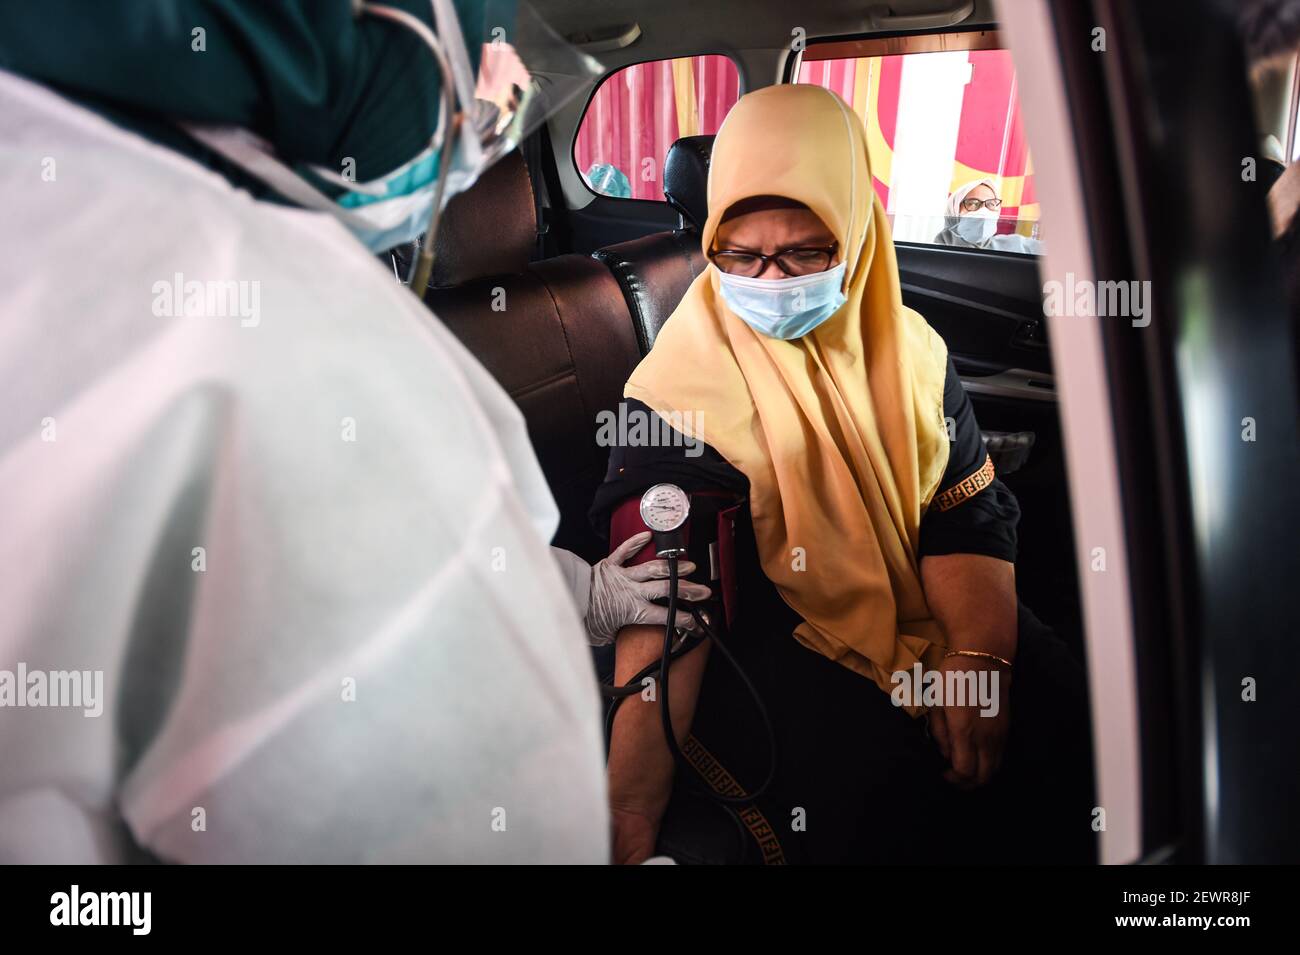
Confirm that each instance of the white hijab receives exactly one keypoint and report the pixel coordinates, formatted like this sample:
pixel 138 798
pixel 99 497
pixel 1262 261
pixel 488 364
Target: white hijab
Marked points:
pixel 955 200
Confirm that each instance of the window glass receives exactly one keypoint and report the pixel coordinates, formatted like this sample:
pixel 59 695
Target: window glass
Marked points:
pixel 942 127
pixel 637 114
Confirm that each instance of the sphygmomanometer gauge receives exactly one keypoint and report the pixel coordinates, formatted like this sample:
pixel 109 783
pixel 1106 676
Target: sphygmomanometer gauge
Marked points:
pixel 665 508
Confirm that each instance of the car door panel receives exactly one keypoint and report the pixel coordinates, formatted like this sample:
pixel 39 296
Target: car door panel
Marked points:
pixel 988 308
pixel 608 221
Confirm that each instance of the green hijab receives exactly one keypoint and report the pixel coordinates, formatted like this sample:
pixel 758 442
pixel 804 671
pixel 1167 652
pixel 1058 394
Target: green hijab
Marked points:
pixel 318 82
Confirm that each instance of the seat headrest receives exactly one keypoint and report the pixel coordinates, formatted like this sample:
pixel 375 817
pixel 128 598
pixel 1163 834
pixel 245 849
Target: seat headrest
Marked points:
pixel 686 178
pixel 490 229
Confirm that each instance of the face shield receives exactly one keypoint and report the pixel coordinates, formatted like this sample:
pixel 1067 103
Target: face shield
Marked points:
pixel 504 73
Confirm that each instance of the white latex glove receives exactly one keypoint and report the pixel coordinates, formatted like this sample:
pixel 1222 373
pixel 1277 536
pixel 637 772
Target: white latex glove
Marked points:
pixel 620 596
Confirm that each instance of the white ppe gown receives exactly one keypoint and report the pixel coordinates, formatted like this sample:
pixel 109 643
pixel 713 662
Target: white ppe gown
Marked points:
pixel 300 532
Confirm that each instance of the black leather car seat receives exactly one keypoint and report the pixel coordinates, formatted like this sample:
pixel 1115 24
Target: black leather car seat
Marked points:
pixel 555 333
pixel 655 271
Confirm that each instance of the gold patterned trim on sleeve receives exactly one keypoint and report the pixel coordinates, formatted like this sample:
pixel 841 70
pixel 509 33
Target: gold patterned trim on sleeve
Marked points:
pixel 721 781
pixel 968 487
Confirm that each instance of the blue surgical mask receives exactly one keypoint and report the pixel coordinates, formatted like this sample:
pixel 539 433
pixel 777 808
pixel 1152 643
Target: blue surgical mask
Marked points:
pixel 976 228
pixel 381 213
pixel 785 308
pixel 395 209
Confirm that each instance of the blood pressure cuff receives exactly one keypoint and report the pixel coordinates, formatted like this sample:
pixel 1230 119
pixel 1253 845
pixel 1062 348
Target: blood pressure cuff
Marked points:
pixel 710 536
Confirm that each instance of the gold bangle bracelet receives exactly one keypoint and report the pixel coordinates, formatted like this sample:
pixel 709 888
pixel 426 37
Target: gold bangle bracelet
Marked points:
pixel 982 655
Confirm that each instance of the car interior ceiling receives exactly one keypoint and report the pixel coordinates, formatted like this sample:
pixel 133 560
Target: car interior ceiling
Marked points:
pixel 560 303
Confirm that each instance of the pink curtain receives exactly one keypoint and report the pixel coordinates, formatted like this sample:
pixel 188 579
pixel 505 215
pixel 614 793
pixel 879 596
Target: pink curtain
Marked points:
pixel 990 140
pixel 639 111
pixel 838 76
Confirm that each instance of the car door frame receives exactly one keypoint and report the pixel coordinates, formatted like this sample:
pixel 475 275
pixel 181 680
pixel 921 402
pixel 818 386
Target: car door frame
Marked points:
pixel 1186 608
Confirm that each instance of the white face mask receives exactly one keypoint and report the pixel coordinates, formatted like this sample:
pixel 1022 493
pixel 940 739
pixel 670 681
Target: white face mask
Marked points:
pixel 784 308
pixel 383 213
pixel 977 227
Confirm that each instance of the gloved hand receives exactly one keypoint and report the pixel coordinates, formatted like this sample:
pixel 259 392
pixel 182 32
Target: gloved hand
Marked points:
pixel 620 596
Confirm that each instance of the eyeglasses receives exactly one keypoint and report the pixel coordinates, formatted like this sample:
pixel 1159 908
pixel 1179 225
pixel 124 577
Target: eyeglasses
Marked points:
pixel 796 261
pixel 970 205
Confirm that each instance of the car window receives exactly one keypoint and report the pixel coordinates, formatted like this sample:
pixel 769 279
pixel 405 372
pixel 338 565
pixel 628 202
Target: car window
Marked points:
pixel 637 114
pixel 949 157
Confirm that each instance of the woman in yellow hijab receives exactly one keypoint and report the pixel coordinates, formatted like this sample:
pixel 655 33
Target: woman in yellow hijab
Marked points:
pixel 874 539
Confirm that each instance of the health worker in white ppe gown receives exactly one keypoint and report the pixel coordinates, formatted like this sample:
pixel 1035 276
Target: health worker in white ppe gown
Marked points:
pixel 275 582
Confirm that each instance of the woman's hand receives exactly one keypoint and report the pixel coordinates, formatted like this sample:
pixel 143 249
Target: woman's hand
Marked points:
pixel 973 597
pixel 633 835
pixel 972 738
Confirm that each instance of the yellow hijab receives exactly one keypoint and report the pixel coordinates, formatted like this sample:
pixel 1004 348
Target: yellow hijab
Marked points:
pixel 841 432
